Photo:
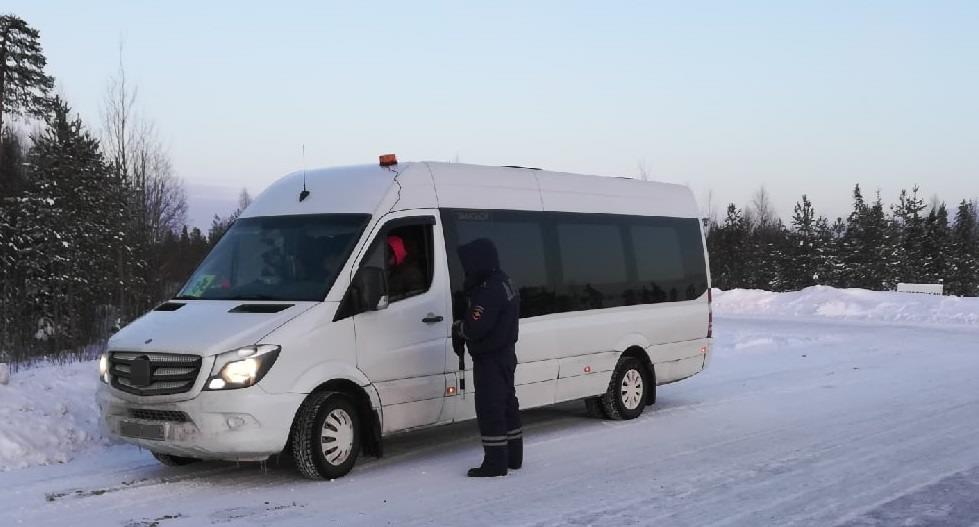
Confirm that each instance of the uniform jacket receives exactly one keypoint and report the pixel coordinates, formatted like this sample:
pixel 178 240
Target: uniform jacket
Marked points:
pixel 491 320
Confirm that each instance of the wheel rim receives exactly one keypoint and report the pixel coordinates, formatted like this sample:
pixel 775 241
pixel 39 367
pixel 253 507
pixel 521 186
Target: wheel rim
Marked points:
pixel 632 389
pixel 337 437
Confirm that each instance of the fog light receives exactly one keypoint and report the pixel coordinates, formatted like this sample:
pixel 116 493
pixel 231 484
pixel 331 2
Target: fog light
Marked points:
pixel 216 384
pixel 235 422
pixel 104 368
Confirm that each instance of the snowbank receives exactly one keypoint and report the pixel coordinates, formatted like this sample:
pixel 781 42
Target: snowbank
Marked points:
pixel 850 304
pixel 47 414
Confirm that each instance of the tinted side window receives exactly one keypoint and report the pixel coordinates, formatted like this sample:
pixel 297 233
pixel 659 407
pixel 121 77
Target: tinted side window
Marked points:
pixel 574 262
pixel 658 257
pixel 520 242
pixel 669 259
pixel 692 247
pixel 593 264
pixel 591 254
pixel 520 245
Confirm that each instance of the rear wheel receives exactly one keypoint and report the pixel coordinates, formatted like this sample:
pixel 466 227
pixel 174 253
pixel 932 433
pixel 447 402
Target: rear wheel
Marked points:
pixel 326 436
pixel 173 461
pixel 627 391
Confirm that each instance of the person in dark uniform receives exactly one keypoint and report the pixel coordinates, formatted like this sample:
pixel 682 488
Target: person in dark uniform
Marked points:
pixel 490 328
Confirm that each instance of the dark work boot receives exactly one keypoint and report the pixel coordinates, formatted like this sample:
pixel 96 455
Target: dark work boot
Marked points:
pixel 484 471
pixel 515 453
pixel 494 462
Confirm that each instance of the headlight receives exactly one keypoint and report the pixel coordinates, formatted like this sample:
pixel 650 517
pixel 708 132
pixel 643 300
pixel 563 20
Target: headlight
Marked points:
pixel 242 367
pixel 104 367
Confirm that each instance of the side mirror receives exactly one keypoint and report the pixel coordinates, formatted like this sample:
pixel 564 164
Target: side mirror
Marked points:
pixel 372 288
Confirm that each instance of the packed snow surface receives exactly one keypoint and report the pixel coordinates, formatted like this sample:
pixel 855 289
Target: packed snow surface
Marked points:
pixel 850 304
pixel 804 417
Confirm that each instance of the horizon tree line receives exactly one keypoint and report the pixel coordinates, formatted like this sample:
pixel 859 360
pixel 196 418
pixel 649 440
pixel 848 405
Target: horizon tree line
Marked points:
pixel 875 247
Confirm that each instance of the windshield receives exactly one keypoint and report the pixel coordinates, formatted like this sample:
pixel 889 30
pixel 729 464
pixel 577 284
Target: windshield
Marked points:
pixel 291 258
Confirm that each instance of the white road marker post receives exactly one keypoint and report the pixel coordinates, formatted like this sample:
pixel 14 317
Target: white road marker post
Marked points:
pixel 4 373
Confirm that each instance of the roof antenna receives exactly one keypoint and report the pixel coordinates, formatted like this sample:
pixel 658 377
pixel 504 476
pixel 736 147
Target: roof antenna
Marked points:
pixel 305 193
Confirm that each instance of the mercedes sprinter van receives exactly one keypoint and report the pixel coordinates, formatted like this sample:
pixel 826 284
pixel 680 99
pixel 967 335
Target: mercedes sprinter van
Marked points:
pixel 321 322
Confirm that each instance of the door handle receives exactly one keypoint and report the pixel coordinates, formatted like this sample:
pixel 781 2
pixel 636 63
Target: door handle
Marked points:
pixel 433 318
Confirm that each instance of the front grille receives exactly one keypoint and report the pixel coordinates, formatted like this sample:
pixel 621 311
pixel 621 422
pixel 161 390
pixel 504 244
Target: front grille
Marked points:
pixel 173 416
pixel 153 373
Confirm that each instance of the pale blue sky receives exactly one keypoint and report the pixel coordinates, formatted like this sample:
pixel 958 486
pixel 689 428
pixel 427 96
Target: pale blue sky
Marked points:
pixel 725 96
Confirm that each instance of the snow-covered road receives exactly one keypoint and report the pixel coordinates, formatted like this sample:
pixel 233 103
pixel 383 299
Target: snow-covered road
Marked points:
pixel 796 422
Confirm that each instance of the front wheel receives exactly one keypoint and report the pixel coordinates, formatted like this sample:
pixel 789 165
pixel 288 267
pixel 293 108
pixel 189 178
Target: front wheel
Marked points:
pixel 627 391
pixel 326 436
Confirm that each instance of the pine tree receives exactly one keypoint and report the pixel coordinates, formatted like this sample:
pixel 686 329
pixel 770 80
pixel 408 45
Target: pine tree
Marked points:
pixel 883 244
pixel 13 177
pixel 910 228
pixel 826 244
pixel 24 86
pixel 935 246
pixel 802 264
pixel 774 242
pixel 854 252
pixel 75 212
pixel 727 246
pixel 964 253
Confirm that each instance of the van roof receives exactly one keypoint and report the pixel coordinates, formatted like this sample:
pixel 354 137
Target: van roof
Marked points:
pixel 483 187
pixel 430 184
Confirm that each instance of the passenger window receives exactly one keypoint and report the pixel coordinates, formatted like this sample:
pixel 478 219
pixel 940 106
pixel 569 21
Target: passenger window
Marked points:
pixel 593 260
pixel 658 256
pixel 591 254
pixel 519 241
pixel 408 259
pixel 575 262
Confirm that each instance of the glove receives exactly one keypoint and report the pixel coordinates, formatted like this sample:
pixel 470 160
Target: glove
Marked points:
pixel 458 341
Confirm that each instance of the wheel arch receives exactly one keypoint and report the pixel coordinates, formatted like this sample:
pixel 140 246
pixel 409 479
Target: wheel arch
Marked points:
pixel 639 353
pixel 368 412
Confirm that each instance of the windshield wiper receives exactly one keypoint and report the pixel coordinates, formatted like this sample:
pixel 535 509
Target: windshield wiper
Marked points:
pixel 245 298
pixel 253 297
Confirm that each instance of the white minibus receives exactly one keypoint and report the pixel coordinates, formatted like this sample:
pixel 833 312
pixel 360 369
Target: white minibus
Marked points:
pixel 322 320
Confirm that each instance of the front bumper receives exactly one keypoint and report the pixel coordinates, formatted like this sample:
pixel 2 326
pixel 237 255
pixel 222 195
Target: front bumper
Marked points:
pixel 247 424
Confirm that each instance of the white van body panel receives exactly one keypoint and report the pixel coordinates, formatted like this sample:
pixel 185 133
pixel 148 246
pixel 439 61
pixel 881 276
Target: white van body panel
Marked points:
pixel 194 329
pixel 478 187
pixel 589 194
pixel 313 346
pixel 411 381
pixel 405 358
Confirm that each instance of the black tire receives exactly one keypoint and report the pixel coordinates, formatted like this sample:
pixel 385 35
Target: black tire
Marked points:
pixel 616 401
pixel 593 405
pixel 173 461
pixel 307 436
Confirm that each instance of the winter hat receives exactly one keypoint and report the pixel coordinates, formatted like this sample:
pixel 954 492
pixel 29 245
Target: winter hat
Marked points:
pixel 398 250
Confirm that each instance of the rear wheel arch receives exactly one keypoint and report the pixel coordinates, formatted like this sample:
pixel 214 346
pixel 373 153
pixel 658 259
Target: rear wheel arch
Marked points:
pixel 640 353
pixel 602 406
